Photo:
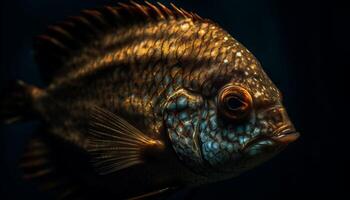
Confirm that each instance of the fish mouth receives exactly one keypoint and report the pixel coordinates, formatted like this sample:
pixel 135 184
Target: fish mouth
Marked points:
pixel 281 136
pixel 286 137
pixel 285 134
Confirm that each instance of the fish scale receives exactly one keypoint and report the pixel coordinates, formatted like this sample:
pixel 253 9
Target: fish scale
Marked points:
pixel 154 97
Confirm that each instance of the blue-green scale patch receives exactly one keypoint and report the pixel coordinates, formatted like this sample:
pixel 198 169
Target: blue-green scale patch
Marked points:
pixel 181 103
pixel 167 80
pixel 220 141
pixel 186 121
pixel 183 116
pixel 243 139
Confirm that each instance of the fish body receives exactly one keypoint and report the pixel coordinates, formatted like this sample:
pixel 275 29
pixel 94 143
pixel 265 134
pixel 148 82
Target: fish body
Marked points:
pixel 156 98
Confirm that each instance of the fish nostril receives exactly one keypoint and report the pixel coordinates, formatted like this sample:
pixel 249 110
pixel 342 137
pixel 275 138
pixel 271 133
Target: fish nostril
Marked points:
pixel 276 117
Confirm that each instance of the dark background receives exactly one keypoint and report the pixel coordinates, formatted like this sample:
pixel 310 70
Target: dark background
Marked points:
pixel 300 45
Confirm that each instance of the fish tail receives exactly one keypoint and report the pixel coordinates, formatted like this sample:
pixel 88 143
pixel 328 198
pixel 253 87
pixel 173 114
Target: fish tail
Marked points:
pixel 16 102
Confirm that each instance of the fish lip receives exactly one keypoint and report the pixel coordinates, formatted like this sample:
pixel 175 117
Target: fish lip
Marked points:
pixel 286 137
pixel 285 134
pixel 283 137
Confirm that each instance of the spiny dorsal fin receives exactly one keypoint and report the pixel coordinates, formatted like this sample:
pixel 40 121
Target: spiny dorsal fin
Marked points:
pixel 56 48
pixel 115 144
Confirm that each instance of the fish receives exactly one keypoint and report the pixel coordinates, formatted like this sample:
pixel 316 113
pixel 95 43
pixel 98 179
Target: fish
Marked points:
pixel 142 100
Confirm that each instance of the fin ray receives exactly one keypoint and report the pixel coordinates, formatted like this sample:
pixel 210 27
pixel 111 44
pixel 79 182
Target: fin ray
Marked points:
pixel 114 143
pixel 154 194
pixel 56 49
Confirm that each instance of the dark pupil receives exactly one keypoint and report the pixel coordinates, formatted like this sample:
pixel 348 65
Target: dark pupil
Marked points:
pixel 233 103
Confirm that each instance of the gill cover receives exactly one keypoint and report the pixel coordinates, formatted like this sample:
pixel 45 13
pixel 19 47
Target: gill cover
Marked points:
pixel 183 121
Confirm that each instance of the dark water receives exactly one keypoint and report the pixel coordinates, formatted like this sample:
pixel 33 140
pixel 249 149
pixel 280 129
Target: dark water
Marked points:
pixel 294 42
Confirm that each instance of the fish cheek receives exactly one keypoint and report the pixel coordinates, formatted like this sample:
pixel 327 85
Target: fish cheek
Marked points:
pixel 181 116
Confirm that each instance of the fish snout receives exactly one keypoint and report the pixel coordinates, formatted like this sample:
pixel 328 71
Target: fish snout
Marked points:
pixel 283 131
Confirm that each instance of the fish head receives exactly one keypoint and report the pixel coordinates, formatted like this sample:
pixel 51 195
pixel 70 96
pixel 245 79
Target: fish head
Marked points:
pixel 250 125
pixel 232 121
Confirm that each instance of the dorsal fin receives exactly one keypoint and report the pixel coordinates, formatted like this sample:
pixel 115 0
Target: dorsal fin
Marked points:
pixel 55 49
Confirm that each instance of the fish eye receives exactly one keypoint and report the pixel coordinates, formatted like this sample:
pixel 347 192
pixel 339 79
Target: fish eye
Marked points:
pixel 234 102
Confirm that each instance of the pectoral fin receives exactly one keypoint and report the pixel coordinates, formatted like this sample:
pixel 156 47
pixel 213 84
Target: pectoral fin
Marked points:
pixel 116 144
